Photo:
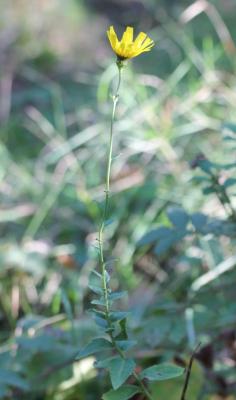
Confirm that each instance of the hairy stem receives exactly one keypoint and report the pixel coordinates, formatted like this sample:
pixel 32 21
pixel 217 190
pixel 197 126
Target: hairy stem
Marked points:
pixel 101 231
pixel 107 193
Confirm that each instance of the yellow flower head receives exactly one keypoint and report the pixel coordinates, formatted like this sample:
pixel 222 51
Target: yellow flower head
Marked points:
pixel 127 47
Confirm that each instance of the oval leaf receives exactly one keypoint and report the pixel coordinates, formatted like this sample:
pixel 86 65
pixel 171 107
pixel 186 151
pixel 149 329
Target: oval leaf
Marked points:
pixel 178 217
pixel 93 347
pixel 154 235
pixel 162 372
pixel 119 369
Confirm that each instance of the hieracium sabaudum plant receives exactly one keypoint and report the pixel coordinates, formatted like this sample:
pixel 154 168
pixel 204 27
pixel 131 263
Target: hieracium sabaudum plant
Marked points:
pixel 113 348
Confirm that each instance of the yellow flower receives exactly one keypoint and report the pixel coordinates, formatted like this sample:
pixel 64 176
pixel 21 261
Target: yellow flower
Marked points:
pixel 127 47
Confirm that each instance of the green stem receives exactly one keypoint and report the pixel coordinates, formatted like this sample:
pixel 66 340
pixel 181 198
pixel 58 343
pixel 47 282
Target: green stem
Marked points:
pixel 101 231
pixel 107 192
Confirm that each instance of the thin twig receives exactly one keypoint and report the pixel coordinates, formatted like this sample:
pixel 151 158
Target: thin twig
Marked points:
pixel 188 373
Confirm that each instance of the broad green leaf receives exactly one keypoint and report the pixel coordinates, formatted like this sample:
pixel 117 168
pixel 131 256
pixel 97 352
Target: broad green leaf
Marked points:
pixel 178 217
pixel 208 190
pixel 205 165
pixel 95 282
pixel 96 312
pixel 117 295
pixel 199 220
pixel 165 243
pixel 175 236
pixel 119 369
pixel 123 393
pixel 101 322
pixel 99 302
pixel 229 229
pixel 162 372
pixel 154 235
pixel 126 344
pixel 214 226
pixel 200 179
pixel 229 182
pixel 118 315
pixel 96 346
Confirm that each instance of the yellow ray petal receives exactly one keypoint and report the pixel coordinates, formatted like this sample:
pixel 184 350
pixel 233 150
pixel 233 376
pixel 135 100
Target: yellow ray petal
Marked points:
pixel 147 42
pixel 139 39
pixel 112 37
pixel 127 37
